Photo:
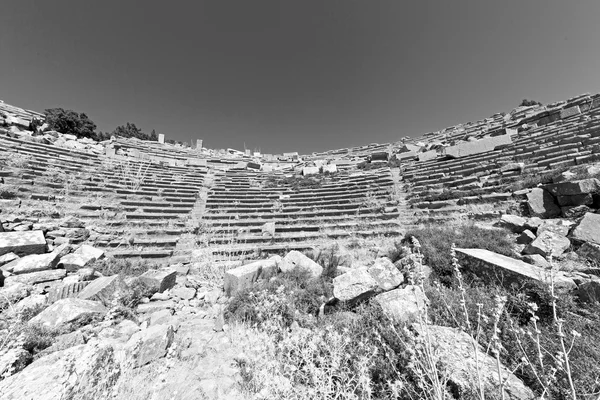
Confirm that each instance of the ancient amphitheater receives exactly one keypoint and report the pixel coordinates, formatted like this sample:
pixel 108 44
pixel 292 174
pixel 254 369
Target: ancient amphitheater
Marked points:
pixel 178 208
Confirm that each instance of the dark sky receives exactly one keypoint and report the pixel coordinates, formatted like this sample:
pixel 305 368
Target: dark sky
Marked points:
pixel 305 75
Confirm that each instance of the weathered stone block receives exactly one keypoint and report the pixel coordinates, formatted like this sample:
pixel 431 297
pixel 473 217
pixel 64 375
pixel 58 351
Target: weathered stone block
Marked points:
pixel 65 291
pixel 68 310
pixel 355 285
pixel 403 304
pixel 81 258
pixel 513 222
pixel 386 274
pixel 150 344
pixel 569 112
pixel 548 242
pixel 32 263
pixel 296 260
pixel 106 290
pixel 588 229
pixel 478 146
pixel 541 204
pixel 496 267
pixel 22 243
pixel 245 276
pixel 36 277
pixel 159 279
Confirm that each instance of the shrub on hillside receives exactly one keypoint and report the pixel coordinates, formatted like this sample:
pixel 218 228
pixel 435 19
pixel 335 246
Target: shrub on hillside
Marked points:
pixel 436 242
pixel 69 121
pixel 527 103
pixel 281 300
pixel 129 130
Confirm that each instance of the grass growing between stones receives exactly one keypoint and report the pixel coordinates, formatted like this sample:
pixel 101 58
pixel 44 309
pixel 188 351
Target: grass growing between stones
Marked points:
pixel 436 242
pixel 294 351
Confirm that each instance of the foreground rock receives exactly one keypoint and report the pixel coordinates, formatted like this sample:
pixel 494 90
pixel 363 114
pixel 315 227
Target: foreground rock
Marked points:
pixel 548 242
pixel 68 310
pixel 106 290
pixel 496 267
pixel 354 285
pixel 403 304
pixel 32 263
pixel 81 258
pixel 150 344
pixel 22 243
pixel 36 277
pixel 588 229
pixel 159 279
pixel 386 274
pixel 81 372
pixel 296 260
pixel 243 277
pixel 455 350
pixel 541 204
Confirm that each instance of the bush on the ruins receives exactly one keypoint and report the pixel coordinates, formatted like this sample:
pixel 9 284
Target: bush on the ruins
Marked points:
pixel 69 121
pixel 295 182
pixel 281 300
pixel 528 103
pixel 446 303
pixel 129 130
pixel 436 242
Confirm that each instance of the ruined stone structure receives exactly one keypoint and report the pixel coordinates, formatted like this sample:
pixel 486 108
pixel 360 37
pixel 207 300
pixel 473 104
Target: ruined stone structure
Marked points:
pixel 159 198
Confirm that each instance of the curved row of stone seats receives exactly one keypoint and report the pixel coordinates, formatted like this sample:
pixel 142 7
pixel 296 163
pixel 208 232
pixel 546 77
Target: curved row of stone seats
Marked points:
pixel 563 142
pixel 177 189
pixel 240 203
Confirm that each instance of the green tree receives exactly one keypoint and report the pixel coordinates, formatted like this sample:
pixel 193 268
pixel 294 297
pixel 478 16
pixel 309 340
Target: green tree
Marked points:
pixel 129 130
pixel 69 121
pixel 527 103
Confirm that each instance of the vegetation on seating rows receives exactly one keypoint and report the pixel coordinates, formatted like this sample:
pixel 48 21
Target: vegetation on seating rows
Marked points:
pixel 364 355
pixel 80 125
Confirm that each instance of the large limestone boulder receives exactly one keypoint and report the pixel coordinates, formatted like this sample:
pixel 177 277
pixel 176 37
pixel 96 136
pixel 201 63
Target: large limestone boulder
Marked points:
pixel 588 229
pixel 296 260
pixel 33 278
pixel 22 243
pixel 541 204
pixel 354 285
pixel 106 290
pixel 513 222
pixel 32 263
pixel 81 372
pixel 548 242
pixel 150 344
pixel 81 258
pixel 496 267
pixel 403 304
pixel 159 279
pixel 386 274
pixel 68 310
pixel 455 351
pixel 245 276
